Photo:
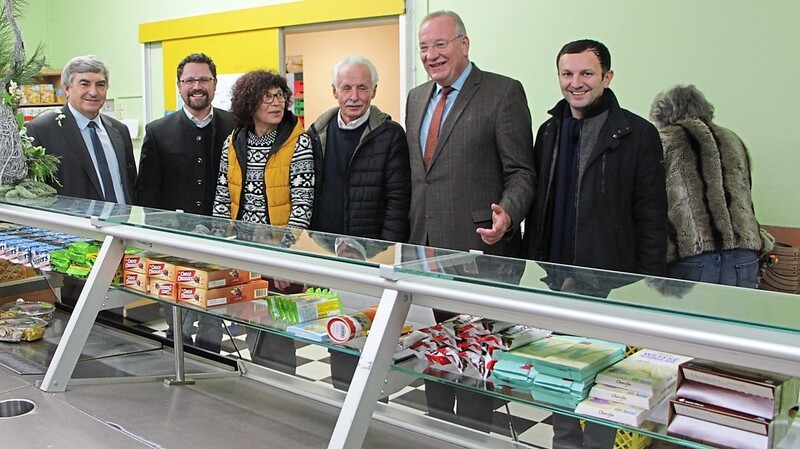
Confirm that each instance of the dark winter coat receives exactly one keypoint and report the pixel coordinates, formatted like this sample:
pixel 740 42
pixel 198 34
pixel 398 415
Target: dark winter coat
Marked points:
pixel 621 218
pixel 174 170
pixel 378 185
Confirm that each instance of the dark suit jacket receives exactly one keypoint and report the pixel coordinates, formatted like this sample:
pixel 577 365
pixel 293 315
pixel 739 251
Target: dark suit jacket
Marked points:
pixel 484 155
pixel 175 171
pixel 76 171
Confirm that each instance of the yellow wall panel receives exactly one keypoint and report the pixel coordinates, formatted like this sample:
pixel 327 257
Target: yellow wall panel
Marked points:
pixel 272 16
pixel 232 53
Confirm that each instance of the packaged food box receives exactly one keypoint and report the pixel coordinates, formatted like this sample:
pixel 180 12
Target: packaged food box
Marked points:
pixel 31 94
pixel 647 371
pixel 308 306
pixel 47 94
pixel 722 427
pixel 162 267
pixel 210 276
pixel 163 289
pixel 751 391
pixel 135 281
pixel 135 262
pixel 223 295
pixel 612 411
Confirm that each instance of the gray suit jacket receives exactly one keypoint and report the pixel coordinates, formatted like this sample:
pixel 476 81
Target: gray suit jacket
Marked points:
pixel 484 155
pixel 76 171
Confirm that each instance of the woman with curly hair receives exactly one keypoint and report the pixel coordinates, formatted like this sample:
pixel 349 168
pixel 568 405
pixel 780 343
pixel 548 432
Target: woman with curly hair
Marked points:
pixel 266 176
pixel 266 173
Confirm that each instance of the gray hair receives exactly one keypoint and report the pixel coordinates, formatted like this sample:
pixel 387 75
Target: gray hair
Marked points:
pixel 354 60
pixel 83 64
pixel 460 28
pixel 679 103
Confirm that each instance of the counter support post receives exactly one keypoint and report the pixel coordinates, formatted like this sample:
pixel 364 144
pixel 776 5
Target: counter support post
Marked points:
pixel 80 323
pixel 177 341
pixel 370 375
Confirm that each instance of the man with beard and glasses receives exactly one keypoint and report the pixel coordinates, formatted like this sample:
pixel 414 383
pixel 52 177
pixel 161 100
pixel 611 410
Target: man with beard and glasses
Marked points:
pixel 179 166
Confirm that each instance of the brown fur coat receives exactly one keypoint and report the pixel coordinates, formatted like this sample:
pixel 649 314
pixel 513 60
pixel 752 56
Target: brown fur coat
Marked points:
pixel 708 189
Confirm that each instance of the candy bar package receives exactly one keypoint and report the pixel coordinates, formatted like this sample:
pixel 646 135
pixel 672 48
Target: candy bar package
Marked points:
pixel 612 411
pixel 209 276
pixel 223 295
pixel 647 371
pixel 308 306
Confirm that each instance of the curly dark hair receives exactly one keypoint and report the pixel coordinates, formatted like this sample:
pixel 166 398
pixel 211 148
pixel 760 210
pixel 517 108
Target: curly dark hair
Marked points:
pixel 248 91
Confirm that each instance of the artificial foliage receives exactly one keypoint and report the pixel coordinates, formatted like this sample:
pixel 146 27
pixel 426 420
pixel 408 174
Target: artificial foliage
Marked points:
pixel 24 167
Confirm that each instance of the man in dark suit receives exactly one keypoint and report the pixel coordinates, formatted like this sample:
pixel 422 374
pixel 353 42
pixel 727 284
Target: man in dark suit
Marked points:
pixel 107 173
pixel 179 167
pixel 471 185
pixel 95 150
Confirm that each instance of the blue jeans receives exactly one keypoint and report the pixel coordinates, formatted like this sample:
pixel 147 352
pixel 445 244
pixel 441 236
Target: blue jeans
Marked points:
pixel 738 267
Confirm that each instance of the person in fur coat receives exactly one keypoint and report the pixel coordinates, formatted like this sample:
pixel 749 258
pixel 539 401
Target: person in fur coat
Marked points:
pixel 714 235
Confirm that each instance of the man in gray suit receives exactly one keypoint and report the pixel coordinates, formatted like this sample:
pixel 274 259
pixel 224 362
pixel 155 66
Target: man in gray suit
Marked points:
pixel 107 173
pixel 472 175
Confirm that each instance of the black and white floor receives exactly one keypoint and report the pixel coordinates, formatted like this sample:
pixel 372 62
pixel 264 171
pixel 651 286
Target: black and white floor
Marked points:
pixel 531 425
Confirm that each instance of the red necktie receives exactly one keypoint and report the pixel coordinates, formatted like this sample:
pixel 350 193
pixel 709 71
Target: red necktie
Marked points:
pixel 436 124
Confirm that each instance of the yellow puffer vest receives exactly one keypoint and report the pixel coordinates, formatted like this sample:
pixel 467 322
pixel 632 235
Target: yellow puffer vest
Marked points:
pixel 276 177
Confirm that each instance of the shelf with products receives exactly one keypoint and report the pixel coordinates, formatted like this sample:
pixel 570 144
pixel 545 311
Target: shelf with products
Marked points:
pixel 725 324
pixel 45 95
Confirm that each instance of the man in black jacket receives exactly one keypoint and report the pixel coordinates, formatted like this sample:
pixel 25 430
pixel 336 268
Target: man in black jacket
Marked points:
pixel 362 170
pixel 179 166
pixel 600 198
pixel 363 184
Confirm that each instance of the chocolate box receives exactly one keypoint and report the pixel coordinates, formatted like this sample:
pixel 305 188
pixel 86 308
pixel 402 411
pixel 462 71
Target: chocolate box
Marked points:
pixel 223 295
pixel 163 289
pixel 163 268
pixel 135 262
pixel 135 281
pixel 209 276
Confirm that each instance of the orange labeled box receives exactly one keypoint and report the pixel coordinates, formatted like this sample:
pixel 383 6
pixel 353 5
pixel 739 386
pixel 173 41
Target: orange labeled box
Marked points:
pixel 163 289
pixel 223 295
pixel 135 263
pixel 162 267
pixel 209 276
pixel 135 281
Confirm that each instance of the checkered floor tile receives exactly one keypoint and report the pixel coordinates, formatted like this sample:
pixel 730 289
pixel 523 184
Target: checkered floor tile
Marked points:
pixel 531 425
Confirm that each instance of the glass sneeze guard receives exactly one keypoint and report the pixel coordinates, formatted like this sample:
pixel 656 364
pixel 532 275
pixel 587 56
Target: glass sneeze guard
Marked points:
pixel 752 307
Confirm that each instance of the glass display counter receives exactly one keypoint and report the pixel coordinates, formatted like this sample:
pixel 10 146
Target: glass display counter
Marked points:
pixel 744 327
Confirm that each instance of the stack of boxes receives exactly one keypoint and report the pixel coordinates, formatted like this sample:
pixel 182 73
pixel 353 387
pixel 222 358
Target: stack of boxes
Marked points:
pixel 35 97
pixel 197 283
pixel 728 406
pixel 629 391
pixel 563 368
pixel 294 78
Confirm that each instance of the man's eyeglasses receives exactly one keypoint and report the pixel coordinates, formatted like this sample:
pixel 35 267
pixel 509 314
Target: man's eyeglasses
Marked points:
pixel 439 45
pixel 268 97
pixel 203 80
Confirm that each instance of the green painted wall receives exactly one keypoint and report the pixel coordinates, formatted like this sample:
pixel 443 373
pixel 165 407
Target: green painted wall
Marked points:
pixel 740 53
